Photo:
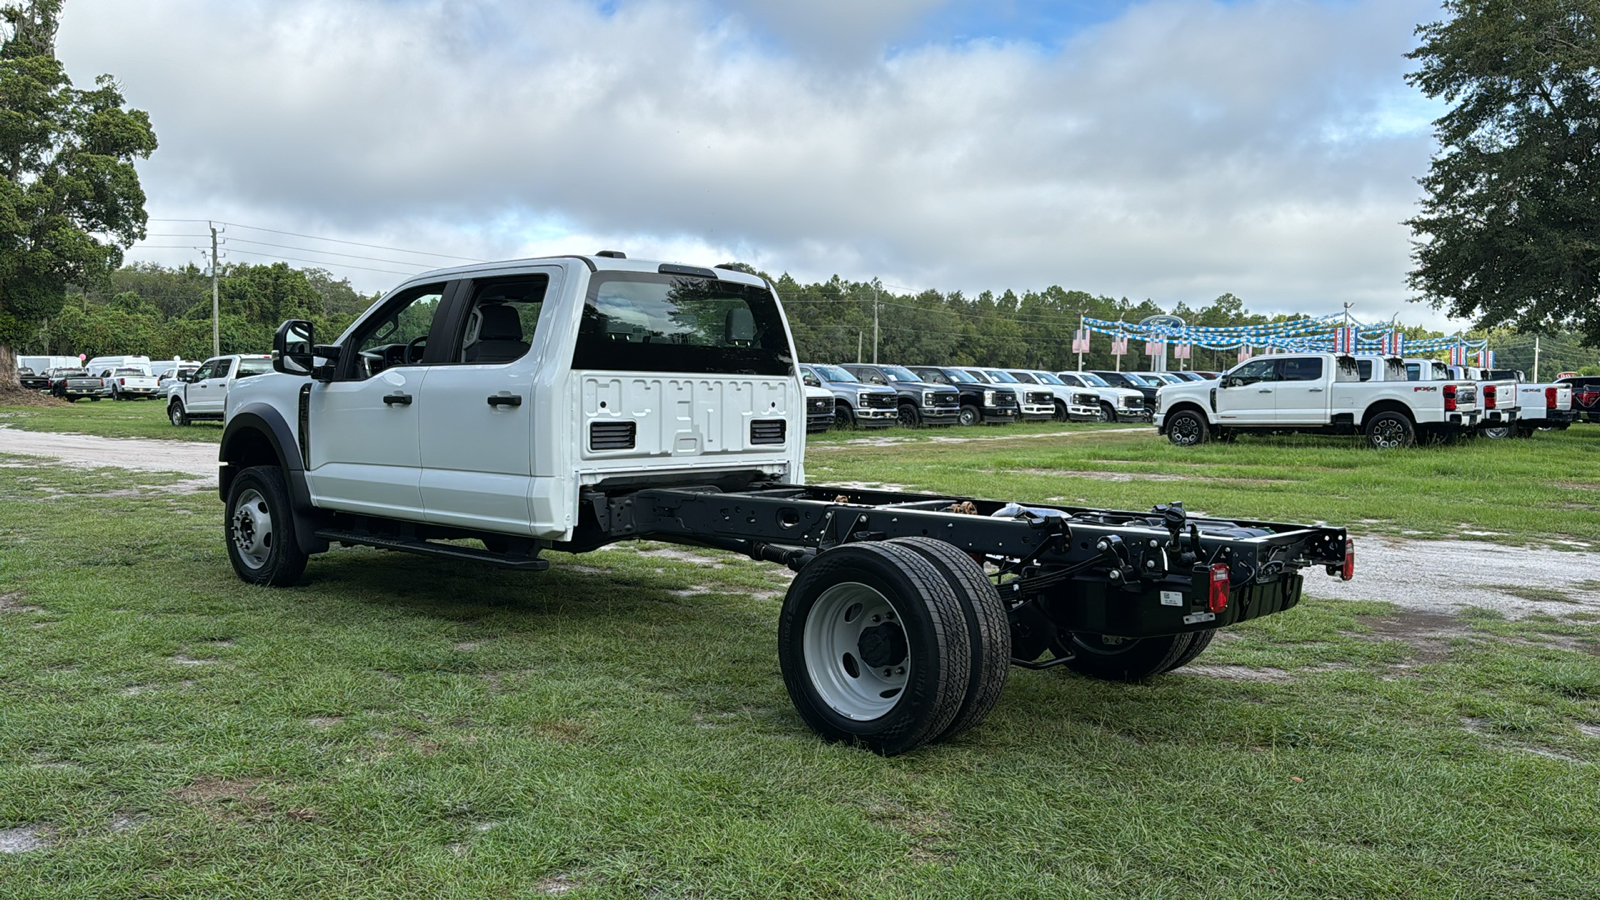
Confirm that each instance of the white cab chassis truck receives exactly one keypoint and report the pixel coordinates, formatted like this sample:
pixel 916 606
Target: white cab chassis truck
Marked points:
pixel 573 402
pixel 1318 393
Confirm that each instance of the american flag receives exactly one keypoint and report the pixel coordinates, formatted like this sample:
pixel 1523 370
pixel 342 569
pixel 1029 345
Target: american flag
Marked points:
pixel 1394 344
pixel 1155 348
pixel 1244 353
pixel 1080 341
pixel 1183 351
pixel 1119 345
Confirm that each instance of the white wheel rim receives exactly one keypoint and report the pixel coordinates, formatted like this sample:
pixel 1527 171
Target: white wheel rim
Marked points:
pixel 1389 433
pixel 850 625
pixel 251 528
pixel 172 413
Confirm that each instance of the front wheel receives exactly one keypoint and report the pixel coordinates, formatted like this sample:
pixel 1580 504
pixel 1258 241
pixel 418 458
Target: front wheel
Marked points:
pixel 970 415
pixel 260 529
pixel 1062 414
pixel 874 647
pixel 1107 413
pixel 908 416
pixel 176 414
pixel 1187 429
pixel 843 417
pixel 1390 431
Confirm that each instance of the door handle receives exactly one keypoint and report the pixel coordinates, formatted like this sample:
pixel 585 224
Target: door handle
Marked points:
pixel 1264 391
pixel 504 399
pixel 1316 390
pixel 397 399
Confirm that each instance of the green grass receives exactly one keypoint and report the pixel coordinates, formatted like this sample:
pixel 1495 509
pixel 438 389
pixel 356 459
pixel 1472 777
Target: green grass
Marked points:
pixel 108 418
pixel 1546 487
pixel 616 726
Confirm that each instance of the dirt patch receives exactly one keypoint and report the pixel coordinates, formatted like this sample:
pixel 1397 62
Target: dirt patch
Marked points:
pixel 24 839
pixel 198 460
pixel 556 884
pixel 12 602
pixel 1427 634
pixel 325 722
pixel 1237 673
pixel 1587 730
pixel 927 829
pixel 226 798
pixel 683 556
pixel 562 731
pixel 30 398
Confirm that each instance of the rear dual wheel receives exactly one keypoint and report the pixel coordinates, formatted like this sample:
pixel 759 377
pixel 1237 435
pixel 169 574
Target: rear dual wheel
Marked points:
pixel 878 643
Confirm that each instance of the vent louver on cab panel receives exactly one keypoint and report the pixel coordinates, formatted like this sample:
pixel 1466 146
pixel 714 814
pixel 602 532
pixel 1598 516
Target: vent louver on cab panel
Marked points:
pixel 768 431
pixel 612 435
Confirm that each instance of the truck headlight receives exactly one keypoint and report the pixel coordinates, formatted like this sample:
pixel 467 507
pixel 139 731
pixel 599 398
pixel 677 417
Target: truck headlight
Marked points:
pixel 861 398
pixel 927 398
pixel 988 398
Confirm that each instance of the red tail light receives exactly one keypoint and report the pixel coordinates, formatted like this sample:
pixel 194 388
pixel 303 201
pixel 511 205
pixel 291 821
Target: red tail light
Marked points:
pixel 1348 571
pixel 1217 598
pixel 1449 398
pixel 1488 396
pixel 1550 398
pixel 122 381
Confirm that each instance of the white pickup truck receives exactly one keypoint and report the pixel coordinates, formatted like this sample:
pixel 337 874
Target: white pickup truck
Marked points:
pixel 128 383
pixel 491 412
pixel 203 394
pixel 1320 393
pixel 1497 397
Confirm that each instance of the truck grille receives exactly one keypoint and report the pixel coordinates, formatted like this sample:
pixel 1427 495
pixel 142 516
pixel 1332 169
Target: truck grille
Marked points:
pixel 612 435
pixel 768 431
pixel 1133 402
pixel 881 401
pixel 947 398
pixel 1038 398
pixel 819 406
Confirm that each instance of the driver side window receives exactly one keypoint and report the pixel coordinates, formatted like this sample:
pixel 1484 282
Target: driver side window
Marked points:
pixel 399 335
pixel 1254 371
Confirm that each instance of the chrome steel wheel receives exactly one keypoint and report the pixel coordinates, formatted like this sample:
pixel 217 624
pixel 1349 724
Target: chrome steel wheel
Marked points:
pixel 250 528
pixel 856 651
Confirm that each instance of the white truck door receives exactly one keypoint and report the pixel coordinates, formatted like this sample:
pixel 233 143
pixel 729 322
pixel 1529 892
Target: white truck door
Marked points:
pixel 476 412
pixel 363 424
pixel 207 395
pixel 1248 394
pixel 1302 391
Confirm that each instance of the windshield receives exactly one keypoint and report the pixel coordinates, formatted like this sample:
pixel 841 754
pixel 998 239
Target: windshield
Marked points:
pixel 1047 378
pixel 899 373
pixel 1093 380
pixel 1025 377
pixel 645 322
pixel 1135 379
pixel 1001 377
pixel 958 375
pixel 834 373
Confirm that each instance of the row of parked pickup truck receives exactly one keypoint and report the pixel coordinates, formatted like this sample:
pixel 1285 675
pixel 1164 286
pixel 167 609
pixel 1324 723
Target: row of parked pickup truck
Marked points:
pixel 872 395
pixel 1392 402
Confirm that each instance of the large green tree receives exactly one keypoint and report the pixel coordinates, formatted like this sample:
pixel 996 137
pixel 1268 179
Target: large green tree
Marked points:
pixel 70 200
pixel 1509 230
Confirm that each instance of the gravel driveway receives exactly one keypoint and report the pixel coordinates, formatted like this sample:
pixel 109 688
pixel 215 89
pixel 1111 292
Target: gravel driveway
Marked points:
pixel 1430 576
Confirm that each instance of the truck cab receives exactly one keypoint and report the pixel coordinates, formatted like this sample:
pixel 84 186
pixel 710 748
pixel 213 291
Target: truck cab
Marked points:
pixel 919 402
pixel 819 403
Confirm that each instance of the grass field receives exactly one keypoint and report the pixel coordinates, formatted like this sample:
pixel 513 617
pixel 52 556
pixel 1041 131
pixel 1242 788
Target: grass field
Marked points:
pixel 617 727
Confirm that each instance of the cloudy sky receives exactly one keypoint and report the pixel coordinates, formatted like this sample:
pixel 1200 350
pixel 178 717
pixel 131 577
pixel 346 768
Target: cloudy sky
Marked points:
pixel 1163 149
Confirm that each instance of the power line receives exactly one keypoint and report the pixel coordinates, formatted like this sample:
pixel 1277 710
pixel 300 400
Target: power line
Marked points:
pixel 398 262
pixel 315 237
pixel 317 262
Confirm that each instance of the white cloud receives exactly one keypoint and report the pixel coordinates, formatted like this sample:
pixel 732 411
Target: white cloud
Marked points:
pixel 1182 150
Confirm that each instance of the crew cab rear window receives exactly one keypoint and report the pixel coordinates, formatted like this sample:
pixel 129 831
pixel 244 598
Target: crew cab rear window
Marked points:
pixel 645 322
pixel 248 367
pixel 1301 368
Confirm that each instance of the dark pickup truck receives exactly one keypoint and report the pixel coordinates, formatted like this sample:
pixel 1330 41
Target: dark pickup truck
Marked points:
pixel 980 402
pixel 921 402
pixel 1585 397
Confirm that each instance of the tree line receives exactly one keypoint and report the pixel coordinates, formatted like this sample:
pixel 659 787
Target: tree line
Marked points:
pixel 164 312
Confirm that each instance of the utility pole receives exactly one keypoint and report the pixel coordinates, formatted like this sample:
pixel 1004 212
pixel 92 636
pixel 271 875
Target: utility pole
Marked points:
pixel 1536 359
pixel 875 322
pixel 858 345
pixel 216 324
